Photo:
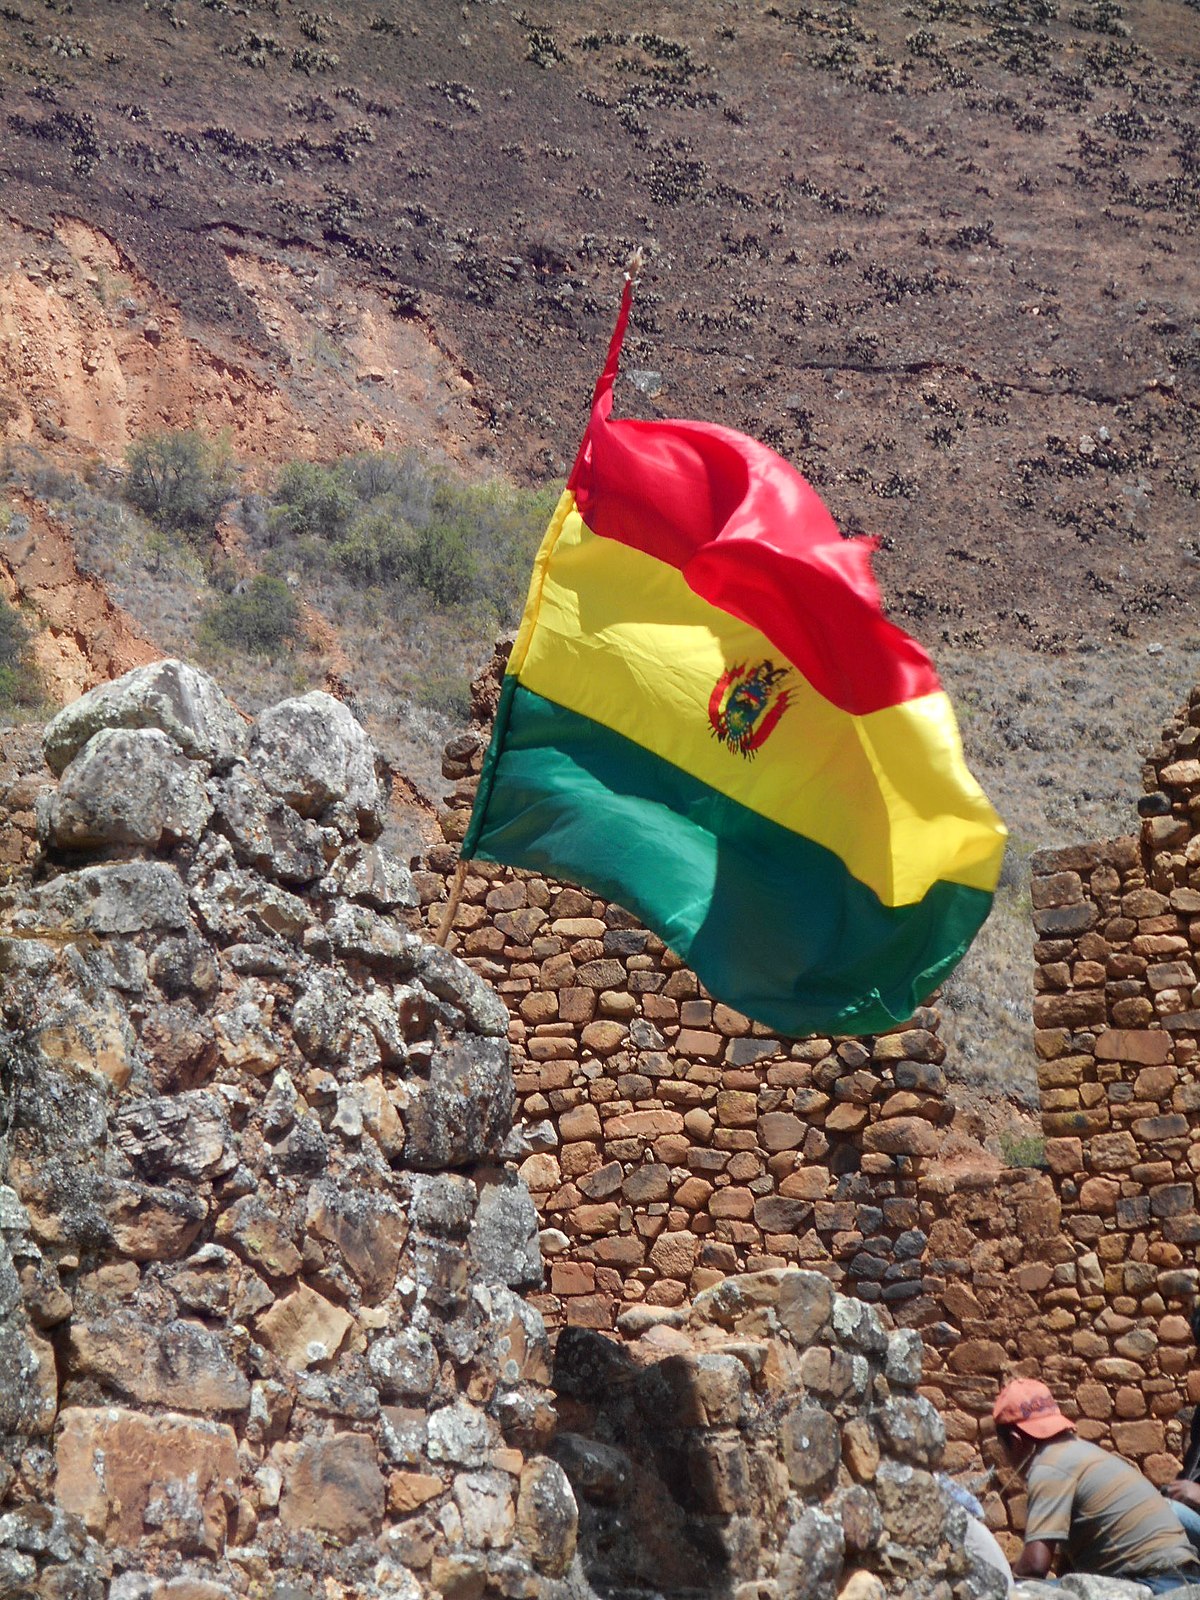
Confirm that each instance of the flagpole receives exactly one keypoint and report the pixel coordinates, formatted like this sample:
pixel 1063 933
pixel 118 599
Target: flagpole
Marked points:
pixel 456 889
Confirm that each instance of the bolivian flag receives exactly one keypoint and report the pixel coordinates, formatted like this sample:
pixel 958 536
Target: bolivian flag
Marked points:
pixel 708 719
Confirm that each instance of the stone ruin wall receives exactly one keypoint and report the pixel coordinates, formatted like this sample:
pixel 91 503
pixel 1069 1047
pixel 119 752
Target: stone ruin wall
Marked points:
pixel 676 1142
pixel 261 1228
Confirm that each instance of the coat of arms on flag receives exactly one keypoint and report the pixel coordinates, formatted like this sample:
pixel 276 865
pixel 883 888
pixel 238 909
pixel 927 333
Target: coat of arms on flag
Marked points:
pixel 707 718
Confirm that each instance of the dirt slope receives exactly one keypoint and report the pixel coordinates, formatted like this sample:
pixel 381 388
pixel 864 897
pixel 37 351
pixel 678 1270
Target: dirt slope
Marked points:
pixel 939 254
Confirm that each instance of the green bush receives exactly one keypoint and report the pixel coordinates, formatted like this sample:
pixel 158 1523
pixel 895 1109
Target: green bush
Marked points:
pixel 180 480
pixel 311 501
pixel 440 558
pixel 1022 1149
pixel 261 620
pixel 20 681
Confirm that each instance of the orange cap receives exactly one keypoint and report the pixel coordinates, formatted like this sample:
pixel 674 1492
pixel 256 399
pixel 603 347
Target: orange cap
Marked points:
pixel 1028 1405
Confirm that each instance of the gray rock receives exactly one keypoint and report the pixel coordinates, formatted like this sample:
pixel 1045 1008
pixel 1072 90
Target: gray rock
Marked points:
pixel 812 1447
pixel 371 874
pixel 547 1516
pixel 810 1562
pixel 239 907
pixel 184 703
pixel 183 1135
pixel 1087 1586
pixel 857 1324
pixel 451 979
pixel 125 897
pixel 905 1353
pixel 504 1234
pixel 264 831
pixel 126 786
pixel 913 1428
pixel 805 1301
pixel 443 1204
pixel 184 966
pixel 465 1109
pixel 313 752
pixel 25 1407
pixel 599 1472
pixel 404 1366
pixel 462 1434
pixel 17 1571
pixel 356 933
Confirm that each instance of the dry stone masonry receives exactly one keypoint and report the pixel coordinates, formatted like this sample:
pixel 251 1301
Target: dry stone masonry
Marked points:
pixel 260 1252
pixel 269 1271
pixel 676 1142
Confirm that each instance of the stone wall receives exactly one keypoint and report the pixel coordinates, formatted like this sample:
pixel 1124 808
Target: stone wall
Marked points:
pixel 673 1141
pixel 259 1246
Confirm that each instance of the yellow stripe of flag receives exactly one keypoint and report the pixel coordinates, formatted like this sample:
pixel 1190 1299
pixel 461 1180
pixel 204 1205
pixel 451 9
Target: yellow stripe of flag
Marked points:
pixel 618 636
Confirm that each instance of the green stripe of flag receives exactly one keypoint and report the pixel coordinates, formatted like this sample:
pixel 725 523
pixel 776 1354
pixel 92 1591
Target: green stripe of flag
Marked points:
pixel 772 923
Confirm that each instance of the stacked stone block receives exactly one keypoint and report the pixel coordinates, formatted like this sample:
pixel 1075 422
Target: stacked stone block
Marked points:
pixel 675 1141
pixel 768 1439
pixel 259 1244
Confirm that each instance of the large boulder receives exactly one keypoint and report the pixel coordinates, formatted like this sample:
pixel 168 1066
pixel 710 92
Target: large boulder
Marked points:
pixel 313 753
pixel 184 703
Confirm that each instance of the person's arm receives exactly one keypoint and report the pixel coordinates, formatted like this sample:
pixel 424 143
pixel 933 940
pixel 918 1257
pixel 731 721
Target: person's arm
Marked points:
pixel 1191 1461
pixel 1035 1560
pixel 1186 1492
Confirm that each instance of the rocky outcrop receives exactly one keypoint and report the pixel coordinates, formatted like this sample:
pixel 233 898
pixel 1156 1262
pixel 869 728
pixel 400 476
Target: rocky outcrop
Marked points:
pixel 259 1247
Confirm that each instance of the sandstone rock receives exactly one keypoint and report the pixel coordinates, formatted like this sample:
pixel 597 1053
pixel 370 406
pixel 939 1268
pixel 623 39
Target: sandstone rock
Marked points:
pixel 126 788
pixel 167 1479
pixel 547 1517
pixel 334 1486
pixel 304 1329
pixel 181 1365
pixel 256 1231
pixel 184 703
pixel 369 1231
pixel 485 1504
pixel 862 1586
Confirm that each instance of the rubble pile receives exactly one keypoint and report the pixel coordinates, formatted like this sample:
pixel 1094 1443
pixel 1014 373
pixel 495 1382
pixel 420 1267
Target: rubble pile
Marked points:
pixel 260 1251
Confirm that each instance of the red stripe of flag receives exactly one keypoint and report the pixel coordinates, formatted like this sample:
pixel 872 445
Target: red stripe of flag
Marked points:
pixel 750 536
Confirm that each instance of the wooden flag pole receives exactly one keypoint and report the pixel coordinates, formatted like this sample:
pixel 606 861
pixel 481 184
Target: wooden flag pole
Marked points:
pixel 456 889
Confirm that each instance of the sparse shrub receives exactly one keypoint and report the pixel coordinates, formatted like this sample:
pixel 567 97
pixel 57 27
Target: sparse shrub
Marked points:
pixel 311 501
pixel 180 480
pixel 263 619
pixel 440 560
pixel 1022 1149
pixel 20 681
pixel 448 693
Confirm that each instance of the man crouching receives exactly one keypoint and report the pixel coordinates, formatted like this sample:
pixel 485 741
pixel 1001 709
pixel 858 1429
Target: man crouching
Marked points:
pixel 1089 1510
